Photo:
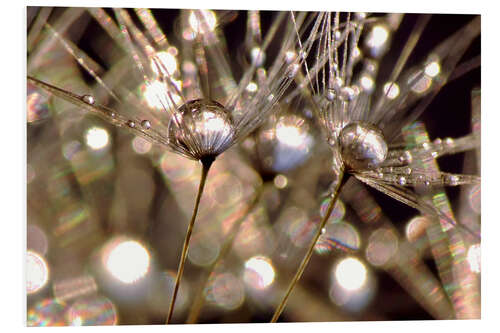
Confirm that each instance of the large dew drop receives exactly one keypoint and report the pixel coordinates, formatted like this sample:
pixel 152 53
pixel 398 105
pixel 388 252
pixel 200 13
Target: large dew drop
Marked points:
pixel 362 146
pixel 201 128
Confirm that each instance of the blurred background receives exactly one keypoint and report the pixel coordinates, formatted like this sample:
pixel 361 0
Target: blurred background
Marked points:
pixel 107 211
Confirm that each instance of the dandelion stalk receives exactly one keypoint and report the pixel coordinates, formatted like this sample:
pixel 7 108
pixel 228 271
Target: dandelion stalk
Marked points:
pixel 199 299
pixel 206 164
pixel 336 192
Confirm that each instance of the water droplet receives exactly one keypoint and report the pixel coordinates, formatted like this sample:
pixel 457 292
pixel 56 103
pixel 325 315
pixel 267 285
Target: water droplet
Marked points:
pixel 146 124
pixel 203 128
pixel 89 99
pixel 453 180
pixel 402 180
pixel 362 144
pixel 130 124
pixel 427 183
pixel 449 142
pixel 330 95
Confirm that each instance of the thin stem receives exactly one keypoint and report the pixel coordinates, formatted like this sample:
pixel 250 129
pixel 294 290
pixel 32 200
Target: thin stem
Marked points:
pixel 342 180
pixel 206 164
pixel 199 299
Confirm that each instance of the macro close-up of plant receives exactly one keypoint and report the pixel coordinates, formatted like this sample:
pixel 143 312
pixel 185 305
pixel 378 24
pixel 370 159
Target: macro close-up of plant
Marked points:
pixel 223 166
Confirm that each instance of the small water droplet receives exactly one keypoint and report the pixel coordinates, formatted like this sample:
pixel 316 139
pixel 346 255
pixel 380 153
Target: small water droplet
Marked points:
pixel 402 180
pixel 89 99
pixel 427 183
pixel 130 124
pixel 146 124
pixel 453 180
pixel 449 142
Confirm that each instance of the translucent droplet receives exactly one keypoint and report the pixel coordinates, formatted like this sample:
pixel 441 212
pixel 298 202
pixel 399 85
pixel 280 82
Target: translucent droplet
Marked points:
pixel 206 128
pixel 130 124
pixel 453 180
pixel 88 99
pixel 402 180
pixel 146 124
pixel 362 145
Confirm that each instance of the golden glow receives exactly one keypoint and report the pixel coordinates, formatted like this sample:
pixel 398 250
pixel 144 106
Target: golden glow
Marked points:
pixel 351 274
pixel 259 272
pixel 97 138
pixel 37 272
pixel 127 260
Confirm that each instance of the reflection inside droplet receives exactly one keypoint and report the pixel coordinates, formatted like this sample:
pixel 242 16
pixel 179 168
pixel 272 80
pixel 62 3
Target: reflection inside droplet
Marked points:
pixel 126 260
pixel 259 272
pixel 37 272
